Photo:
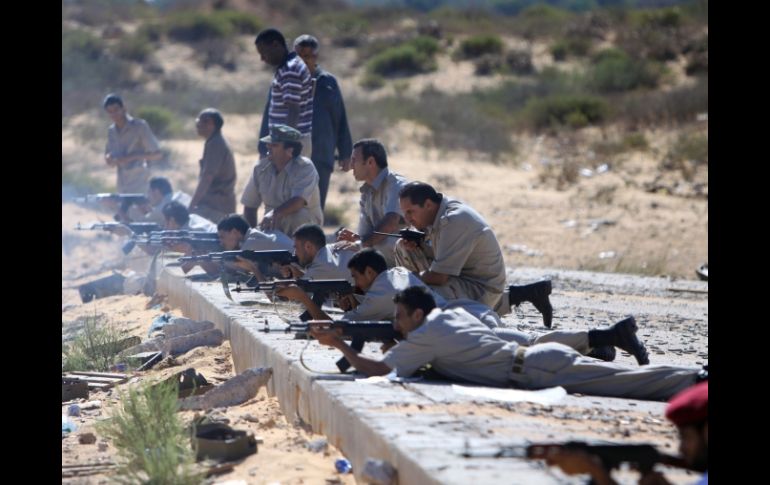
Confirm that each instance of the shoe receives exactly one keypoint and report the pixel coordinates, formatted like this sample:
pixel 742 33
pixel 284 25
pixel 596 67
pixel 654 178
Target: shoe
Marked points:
pixel 624 337
pixel 535 293
pixel 604 352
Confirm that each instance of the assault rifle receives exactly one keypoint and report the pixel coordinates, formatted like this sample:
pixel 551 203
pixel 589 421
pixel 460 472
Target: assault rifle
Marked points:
pixel 279 256
pixel 321 290
pixel 201 242
pixel 410 235
pixel 123 199
pixel 641 457
pixel 357 332
pixel 135 227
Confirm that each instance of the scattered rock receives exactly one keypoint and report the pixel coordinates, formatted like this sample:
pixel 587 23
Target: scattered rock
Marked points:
pixel 87 439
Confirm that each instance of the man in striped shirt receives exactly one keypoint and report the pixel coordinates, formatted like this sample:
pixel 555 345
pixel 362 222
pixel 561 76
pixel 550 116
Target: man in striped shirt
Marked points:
pixel 289 101
pixel 291 91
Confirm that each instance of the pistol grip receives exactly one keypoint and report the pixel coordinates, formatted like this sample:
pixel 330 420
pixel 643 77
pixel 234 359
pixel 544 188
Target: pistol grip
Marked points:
pixel 358 345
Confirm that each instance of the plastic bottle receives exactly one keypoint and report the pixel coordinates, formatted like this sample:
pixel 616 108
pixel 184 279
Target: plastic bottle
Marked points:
pixel 343 465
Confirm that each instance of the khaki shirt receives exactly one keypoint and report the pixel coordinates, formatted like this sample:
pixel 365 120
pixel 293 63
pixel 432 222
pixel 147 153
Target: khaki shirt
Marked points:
pixel 329 265
pixel 465 246
pixel 380 199
pixel 257 240
pixel 298 179
pixel 135 137
pixel 377 303
pixel 458 346
pixel 218 161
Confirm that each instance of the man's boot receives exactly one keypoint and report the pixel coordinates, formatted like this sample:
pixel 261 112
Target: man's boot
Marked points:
pixel 535 293
pixel 623 336
pixel 603 352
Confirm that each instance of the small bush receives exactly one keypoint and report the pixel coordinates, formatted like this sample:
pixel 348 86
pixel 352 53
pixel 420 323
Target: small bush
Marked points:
pixel 519 62
pixel 94 349
pixel 478 45
pixel 614 71
pixel 163 122
pixel 150 438
pixel 541 21
pixel 134 48
pixel 629 142
pixel 487 64
pixel 570 110
pixel 196 26
pixel 372 81
pixel 675 106
pixel 80 43
pixel 427 45
pixel 570 47
pixel 402 60
pixel 241 22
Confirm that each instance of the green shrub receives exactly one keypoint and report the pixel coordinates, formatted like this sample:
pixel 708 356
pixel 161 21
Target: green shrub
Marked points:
pixel 402 60
pixel 541 21
pixel 80 43
pixel 372 81
pixel 195 26
pixel 163 122
pixel 679 105
pixel 614 71
pixel 478 45
pixel 241 22
pixel 427 45
pixel 570 110
pixel 94 349
pixel 151 440
pixel 134 48
pixel 570 47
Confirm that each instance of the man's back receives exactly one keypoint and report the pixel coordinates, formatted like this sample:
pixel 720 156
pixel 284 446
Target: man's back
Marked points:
pixel 330 122
pixel 458 346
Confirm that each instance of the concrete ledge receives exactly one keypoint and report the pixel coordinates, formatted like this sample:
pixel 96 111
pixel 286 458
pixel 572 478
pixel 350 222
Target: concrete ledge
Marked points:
pixel 414 426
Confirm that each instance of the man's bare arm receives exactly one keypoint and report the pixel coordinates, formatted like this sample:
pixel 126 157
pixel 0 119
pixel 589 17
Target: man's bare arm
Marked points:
pixel 388 224
pixel 432 278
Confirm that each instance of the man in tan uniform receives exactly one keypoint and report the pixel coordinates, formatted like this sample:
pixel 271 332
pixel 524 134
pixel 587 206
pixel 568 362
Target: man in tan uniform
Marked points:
pixel 130 145
pixel 380 209
pixel 460 347
pixel 460 256
pixel 214 198
pixel 286 182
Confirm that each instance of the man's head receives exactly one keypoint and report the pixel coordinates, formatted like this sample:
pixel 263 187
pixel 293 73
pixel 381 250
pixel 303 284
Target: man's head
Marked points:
pixel 688 410
pixel 113 105
pixel 365 266
pixel 419 203
pixel 232 231
pixel 306 47
pixel 271 46
pixel 367 159
pixel 208 122
pixel 412 306
pixel 176 215
pixel 159 187
pixel 282 144
pixel 308 240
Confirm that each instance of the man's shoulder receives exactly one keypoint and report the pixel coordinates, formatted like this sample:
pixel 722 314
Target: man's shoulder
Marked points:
pixel 397 178
pixel 302 163
pixel 459 212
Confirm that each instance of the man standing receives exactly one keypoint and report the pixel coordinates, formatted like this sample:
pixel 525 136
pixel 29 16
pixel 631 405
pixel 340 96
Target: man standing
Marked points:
pixel 286 182
pixel 330 122
pixel 130 145
pixel 380 209
pixel 214 198
pixel 289 101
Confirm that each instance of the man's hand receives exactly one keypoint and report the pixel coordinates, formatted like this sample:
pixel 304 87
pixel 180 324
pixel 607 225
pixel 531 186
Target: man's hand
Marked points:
pixel 246 265
pixel 325 335
pixel 347 246
pixel 345 164
pixel 268 222
pixel 292 292
pixel 408 245
pixel 347 235
pixel 576 462
pixel 387 345
pixel 347 302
